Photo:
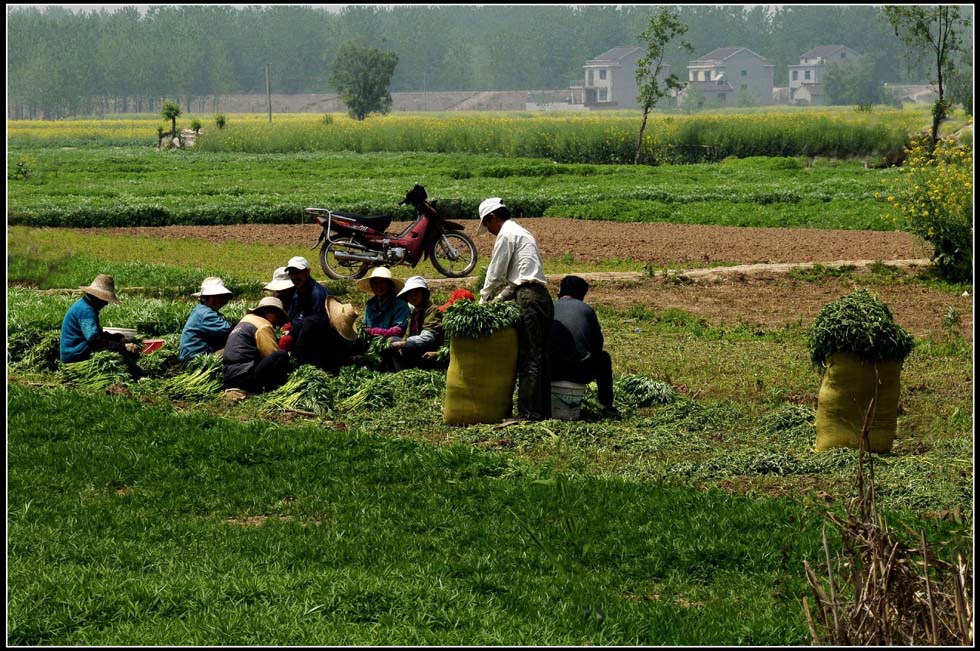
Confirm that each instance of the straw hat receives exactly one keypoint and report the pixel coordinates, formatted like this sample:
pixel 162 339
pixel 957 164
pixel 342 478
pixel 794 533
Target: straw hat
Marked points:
pixel 364 284
pixel 103 287
pixel 212 286
pixel 280 280
pixel 270 303
pixel 415 282
pixel 342 316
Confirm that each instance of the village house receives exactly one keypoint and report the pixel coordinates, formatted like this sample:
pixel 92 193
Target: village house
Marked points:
pixel 731 76
pixel 806 78
pixel 610 80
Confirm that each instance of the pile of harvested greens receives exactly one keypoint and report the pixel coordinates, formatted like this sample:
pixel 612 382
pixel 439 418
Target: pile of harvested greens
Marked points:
pixel 858 323
pixel 472 319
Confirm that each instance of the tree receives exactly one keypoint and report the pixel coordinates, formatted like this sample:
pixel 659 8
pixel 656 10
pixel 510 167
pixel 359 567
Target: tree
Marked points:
pixel 933 29
pixel 362 75
pixel 660 31
pixel 853 82
pixel 171 111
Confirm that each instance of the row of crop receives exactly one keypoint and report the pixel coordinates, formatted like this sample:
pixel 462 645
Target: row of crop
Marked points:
pixel 582 138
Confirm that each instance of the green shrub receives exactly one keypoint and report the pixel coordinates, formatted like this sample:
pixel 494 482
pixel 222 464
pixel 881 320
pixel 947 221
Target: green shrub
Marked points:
pixel 934 199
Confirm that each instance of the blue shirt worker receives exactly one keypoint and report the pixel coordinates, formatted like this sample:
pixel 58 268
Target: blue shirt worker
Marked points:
pixel 82 334
pixel 309 325
pixel 385 315
pixel 206 330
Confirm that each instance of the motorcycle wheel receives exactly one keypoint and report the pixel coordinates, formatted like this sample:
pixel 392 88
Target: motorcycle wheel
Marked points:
pixel 342 270
pixel 453 254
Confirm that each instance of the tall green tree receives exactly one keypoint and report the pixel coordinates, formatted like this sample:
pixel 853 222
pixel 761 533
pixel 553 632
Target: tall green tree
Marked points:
pixel 936 30
pixel 661 30
pixel 171 111
pixel 362 76
pixel 853 82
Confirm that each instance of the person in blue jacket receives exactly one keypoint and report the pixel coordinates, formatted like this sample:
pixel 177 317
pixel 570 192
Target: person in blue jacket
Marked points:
pixel 82 334
pixel 206 331
pixel 385 314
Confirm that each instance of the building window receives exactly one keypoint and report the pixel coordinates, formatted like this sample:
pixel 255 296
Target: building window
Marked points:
pixel 603 95
pixel 602 74
pixel 843 55
pixel 705 75
pixel 590 78
pixel 796 75
pixel 745 73
pixel 721 98
pixel 806 75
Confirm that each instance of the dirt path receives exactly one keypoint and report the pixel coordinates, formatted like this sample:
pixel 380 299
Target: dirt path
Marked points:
pixel 753 286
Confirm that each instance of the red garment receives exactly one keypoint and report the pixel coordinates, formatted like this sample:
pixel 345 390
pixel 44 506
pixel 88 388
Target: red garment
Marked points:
pixel 286 342
pixel 455 296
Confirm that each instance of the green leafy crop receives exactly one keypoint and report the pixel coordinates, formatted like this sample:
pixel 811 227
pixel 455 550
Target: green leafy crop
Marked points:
pixel 858 323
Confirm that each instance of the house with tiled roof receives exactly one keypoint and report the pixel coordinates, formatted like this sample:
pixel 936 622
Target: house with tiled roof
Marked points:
pixel 806 78
pixel 610 79
pixel 731 76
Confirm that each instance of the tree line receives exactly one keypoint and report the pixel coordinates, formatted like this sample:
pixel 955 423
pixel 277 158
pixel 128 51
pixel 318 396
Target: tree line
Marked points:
pixel 61 64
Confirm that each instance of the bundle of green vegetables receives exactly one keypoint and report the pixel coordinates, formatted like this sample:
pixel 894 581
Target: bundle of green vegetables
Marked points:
pixel 203 379
pixel 164 362
pixel 858 323
pixel 34 350
pixel 99 371
pixel 472 319
pixel 307 389
pixel 375 348
pixel 640 391
pixel 377 392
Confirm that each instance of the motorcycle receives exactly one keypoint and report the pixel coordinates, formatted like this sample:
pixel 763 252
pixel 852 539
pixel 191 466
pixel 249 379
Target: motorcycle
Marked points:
pixel 351 244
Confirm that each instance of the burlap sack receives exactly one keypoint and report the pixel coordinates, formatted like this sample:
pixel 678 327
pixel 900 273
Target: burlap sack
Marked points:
pixel 849 384
pixel 481 378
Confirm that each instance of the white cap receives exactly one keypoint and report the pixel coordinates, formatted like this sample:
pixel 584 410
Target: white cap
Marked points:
pixel 415 282
pixel 297 262
pixel 280 280
pixel 213 286
pixel 487 206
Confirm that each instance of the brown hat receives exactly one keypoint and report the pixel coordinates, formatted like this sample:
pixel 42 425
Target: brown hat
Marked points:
pixel 342 316
pixel 103 287
pixel 270 303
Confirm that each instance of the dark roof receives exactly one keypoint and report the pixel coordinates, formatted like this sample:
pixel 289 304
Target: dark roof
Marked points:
pixel 722 53
pixel 618 53
pixel 822 51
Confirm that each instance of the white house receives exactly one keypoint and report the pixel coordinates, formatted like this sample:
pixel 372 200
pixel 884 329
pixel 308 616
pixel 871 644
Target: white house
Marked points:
pixel 610 80
pixel 729 76
pixel 806 78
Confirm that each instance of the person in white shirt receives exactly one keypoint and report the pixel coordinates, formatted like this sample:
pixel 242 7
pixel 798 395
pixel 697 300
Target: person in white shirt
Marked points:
pixel 516 272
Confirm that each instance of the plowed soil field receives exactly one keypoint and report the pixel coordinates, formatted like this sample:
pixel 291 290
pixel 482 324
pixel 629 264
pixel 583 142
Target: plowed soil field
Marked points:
pixel 766 298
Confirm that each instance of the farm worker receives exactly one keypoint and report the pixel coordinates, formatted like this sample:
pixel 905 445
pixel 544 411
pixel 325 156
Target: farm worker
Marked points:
pixel 425 334
pixel 516 271
pixel 308 326
pixel 206 330
pixel 82 334
pixel 340 336
pixel 385 314
pixel 282 287
pixel 253 361
pixel 576 343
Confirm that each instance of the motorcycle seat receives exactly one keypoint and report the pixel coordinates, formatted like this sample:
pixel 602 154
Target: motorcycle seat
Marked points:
pixel 377 222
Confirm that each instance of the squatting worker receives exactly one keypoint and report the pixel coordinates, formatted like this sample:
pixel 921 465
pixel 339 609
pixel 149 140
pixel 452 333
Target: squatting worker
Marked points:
pixel 282 287
pixel 206 330
pixel 425 332
pixel 253 361
pixel 82 334
pixel 307 314
pixel 576 344
pixel 516 271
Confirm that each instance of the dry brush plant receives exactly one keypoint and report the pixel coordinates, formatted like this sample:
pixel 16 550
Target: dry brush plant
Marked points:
pixel 887 592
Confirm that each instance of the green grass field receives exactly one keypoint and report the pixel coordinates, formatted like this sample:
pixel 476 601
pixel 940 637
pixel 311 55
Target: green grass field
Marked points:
pixel 137 519
pixel 141 187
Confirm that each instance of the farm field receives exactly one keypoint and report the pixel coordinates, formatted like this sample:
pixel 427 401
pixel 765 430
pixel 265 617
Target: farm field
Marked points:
pixel 140 516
